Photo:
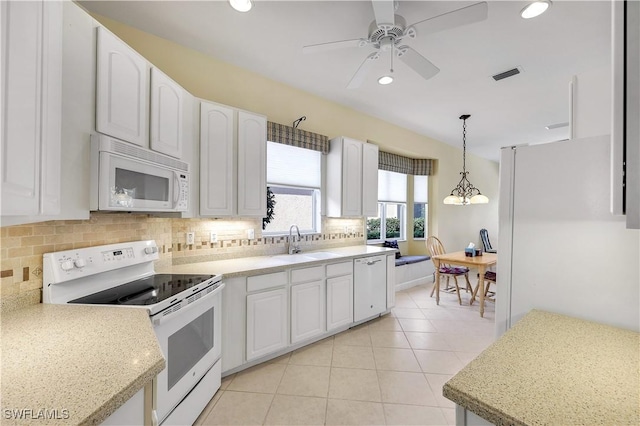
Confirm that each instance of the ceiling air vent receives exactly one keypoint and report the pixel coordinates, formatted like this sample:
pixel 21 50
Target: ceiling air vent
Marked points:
pixel 506 74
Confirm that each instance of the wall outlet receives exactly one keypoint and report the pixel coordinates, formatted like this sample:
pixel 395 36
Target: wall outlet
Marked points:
pixel 251 234
pixel 191 238
pixel 213 237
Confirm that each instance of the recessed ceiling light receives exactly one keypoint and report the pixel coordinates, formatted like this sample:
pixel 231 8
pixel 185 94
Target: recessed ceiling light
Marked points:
pixel 385 79
pixel 241 5
pixel 535 9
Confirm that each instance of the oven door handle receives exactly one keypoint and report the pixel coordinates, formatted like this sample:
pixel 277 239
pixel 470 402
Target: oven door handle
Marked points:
pixel 159 319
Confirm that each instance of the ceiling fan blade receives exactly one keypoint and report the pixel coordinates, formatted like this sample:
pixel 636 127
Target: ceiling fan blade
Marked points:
pixel 333 45
pixel 384 11
pixel 466 15
pixel 417 62
pixel 362 72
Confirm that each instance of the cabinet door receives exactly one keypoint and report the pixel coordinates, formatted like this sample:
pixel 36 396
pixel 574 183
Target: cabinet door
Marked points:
pixel 339 301
pixel 369 179
pixel 307 310
pixel 166 114
pixel 217 170
pixel 31 105
pixel 266 322
pixel 252 165
pixel 352 178
pixel 122 96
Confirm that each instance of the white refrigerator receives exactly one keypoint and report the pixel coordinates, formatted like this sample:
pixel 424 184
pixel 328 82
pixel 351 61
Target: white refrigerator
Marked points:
pixel 561 249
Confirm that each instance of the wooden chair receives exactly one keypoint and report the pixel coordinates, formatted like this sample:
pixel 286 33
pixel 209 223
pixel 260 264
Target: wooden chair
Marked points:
pixel 489 278
pixel 435 247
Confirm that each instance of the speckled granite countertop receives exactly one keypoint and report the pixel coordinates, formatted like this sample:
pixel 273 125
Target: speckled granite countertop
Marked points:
pixel 551 369
pixel 87 360
pixel 266 264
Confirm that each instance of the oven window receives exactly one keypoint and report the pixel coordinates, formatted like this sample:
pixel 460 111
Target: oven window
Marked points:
pixel 144 186
pixel 188 345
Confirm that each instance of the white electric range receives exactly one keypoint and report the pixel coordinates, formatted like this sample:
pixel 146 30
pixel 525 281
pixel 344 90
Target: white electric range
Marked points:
pixel 185 311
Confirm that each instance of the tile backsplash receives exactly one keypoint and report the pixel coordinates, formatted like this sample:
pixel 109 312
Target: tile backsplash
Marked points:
pixel 22 246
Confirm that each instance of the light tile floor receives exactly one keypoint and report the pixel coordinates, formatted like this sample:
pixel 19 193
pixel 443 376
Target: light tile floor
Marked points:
pixel 387 371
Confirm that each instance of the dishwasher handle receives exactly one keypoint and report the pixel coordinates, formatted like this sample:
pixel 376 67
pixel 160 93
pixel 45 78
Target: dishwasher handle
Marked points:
pixel 372 262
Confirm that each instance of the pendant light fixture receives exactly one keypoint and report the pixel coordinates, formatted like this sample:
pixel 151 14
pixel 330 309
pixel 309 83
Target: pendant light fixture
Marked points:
pixel 465 193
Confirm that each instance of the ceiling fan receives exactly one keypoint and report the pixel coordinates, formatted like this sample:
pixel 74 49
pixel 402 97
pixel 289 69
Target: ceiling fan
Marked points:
pixel 388 30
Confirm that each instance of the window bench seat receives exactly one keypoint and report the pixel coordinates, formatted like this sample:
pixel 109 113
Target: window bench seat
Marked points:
pixel 412 271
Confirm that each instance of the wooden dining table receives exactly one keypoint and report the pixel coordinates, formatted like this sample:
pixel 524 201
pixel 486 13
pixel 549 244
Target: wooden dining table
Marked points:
pixel 481 263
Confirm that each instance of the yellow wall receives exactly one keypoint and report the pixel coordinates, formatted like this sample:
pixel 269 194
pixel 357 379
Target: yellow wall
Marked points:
pixel 209 78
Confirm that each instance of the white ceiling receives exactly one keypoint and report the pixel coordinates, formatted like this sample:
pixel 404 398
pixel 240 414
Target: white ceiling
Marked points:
pixel 571 38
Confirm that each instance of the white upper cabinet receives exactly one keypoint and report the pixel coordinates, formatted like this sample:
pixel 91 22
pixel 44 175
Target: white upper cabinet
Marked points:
pixel 352 168
pixel 122 90
pixel 165 122
pixel 233 165
pixel 369 179
pixel 252 164
pixel 31 107
pixel 217 160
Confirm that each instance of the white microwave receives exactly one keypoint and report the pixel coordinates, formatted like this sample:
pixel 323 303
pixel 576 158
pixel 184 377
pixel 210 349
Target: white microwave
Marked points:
pixel 125 177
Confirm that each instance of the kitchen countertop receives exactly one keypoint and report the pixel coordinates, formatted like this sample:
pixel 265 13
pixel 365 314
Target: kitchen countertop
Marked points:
pixel 554 369
pixel 266 264
pixel 84 359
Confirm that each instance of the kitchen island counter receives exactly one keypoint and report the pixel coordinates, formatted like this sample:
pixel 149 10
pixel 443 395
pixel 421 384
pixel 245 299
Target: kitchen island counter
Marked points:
pixel 553 369
pixel 74 364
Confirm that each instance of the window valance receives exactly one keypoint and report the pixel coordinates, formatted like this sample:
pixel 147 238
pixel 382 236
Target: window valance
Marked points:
pixel 399 164
pixel 289 136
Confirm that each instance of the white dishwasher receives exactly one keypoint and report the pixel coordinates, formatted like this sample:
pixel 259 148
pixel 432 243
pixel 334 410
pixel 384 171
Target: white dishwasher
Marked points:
pixel 370 287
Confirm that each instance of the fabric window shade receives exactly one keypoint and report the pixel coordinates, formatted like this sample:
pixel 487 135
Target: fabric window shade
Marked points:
pixel 290 165
pixel 287 135
pixel 392 186
pixel 400 164
pixel 420 189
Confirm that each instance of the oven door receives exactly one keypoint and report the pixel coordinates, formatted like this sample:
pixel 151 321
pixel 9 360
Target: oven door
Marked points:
pixel 130 185
pixel 190 338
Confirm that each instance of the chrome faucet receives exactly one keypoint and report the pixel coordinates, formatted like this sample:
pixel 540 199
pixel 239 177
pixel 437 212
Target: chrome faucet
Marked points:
pixel 294 246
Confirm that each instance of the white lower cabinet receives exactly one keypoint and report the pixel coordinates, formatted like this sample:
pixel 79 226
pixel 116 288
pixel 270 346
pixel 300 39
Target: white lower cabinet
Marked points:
pixel 307 310
pixel 339 301
pixel 267 323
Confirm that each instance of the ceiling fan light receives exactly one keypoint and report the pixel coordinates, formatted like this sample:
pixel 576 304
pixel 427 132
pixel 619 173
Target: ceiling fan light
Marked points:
pixel 534 9
pixel 385 79
pixel 241 5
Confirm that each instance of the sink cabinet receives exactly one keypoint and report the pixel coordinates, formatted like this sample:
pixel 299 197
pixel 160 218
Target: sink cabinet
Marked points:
pixel 267 315
pixel 339 295
pixel 307 303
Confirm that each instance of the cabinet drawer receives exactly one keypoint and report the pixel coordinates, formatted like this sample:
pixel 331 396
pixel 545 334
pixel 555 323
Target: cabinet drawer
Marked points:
pixel 262 282
pixel 342 268
pixel 307 274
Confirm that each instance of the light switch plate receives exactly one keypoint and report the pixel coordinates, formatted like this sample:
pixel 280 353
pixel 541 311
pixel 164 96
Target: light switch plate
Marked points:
pixel 213 237
pixel 251 234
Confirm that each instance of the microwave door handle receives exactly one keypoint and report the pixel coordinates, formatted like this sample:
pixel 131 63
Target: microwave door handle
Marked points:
pixel 176 189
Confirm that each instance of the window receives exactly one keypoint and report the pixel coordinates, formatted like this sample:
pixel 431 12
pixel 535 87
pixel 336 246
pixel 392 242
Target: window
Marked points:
pixel 420 200
pixel 294 177
pixel 391 218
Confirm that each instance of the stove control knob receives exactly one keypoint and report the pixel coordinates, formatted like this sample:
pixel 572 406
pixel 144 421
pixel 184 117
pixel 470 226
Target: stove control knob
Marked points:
pixel 67 265
pixel 80 262
pixel 151 250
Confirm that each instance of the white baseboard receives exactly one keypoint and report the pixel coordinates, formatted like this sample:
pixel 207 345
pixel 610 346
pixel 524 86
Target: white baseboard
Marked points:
pixel 413 283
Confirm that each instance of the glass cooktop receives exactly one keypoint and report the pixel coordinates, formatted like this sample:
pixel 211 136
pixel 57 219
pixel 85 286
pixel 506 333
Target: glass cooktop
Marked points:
pixel 145 291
